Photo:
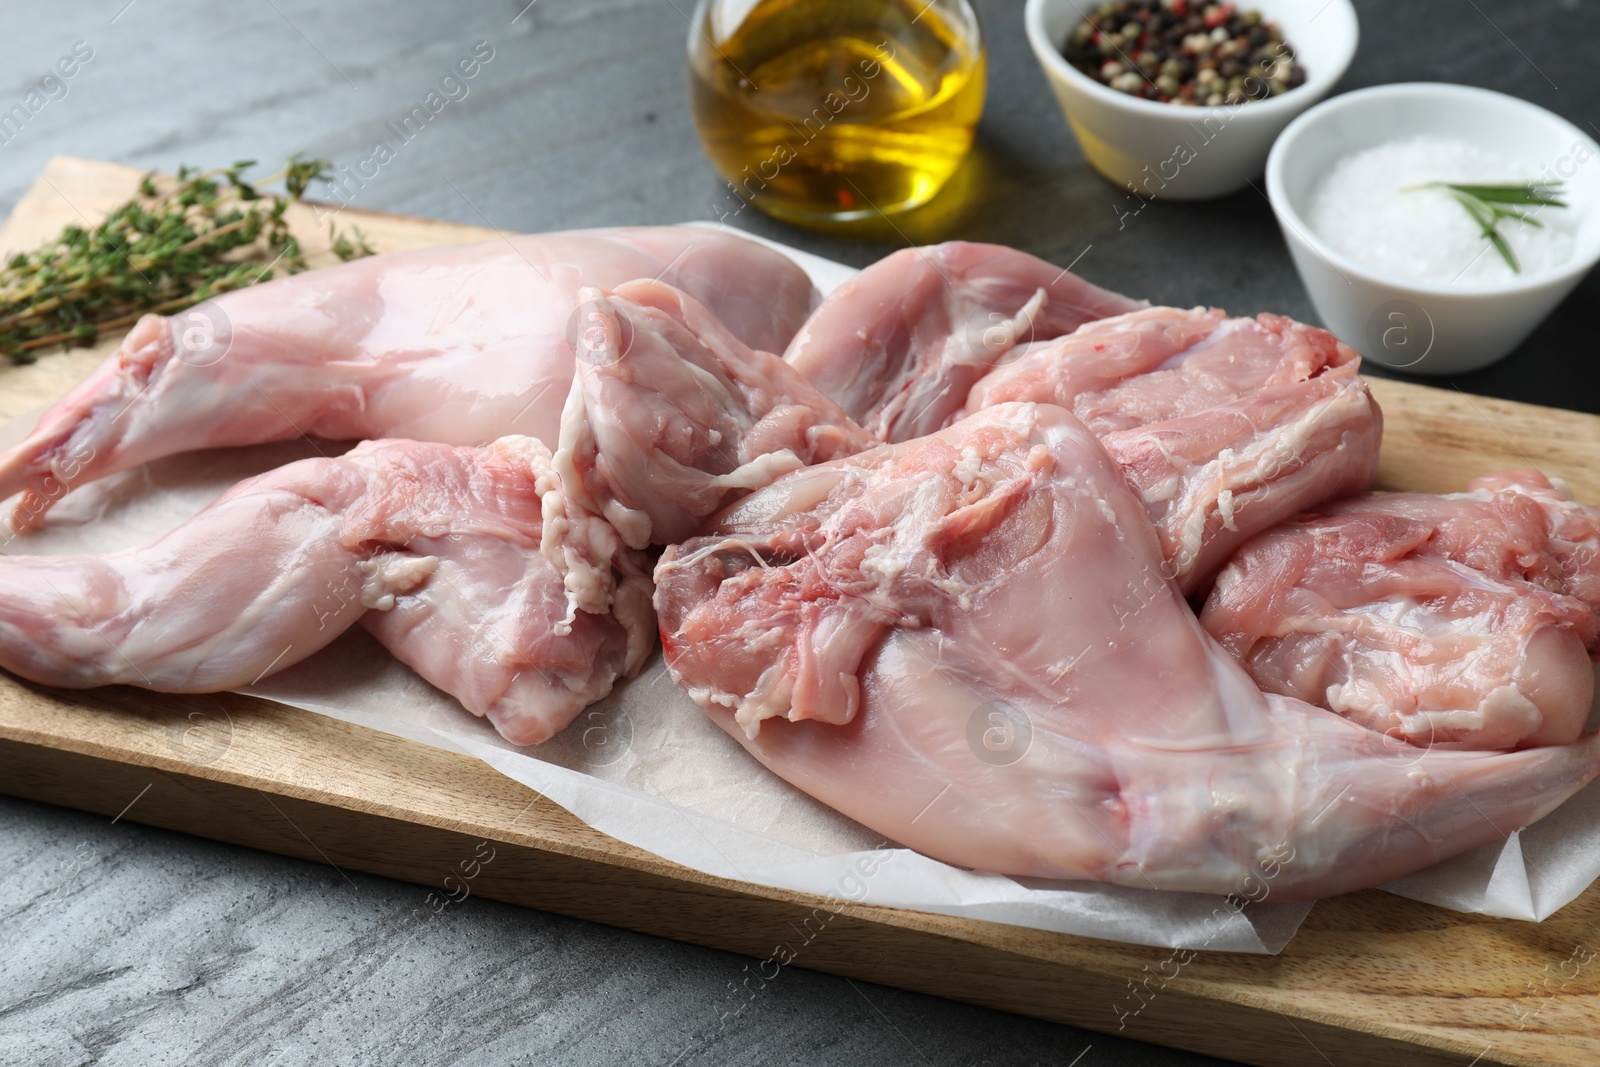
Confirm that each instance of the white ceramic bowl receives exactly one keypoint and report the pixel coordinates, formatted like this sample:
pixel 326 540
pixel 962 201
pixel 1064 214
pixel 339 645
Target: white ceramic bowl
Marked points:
pixel 1189 153
pixel 1419 327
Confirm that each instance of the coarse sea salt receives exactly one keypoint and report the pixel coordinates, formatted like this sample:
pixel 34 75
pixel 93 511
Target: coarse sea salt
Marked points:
pixel 1363 210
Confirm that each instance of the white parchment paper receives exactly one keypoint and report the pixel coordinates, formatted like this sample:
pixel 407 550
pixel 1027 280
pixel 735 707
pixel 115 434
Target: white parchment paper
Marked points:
pixel 648 768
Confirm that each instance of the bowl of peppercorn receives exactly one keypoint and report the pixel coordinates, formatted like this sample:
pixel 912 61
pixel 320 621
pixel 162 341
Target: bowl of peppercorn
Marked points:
pixel 1181 101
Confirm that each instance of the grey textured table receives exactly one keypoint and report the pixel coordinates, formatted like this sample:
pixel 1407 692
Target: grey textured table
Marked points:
pixel 125 945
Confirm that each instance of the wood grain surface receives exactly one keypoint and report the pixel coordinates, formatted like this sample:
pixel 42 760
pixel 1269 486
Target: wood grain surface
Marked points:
pixel 1371 978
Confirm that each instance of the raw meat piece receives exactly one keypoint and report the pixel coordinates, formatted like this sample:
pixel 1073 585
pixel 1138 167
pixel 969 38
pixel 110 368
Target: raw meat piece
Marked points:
pixel 899 345
pixel 965 642
pixel 671 416
pixel 459 345
pixel 1465 620
pixel 435 547
pixel 1568 558
pixel 1222 426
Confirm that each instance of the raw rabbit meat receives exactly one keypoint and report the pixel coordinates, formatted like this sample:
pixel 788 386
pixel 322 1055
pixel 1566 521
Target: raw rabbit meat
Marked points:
pixel 966 642
pixel 459 345
pixel 1465 620
pixel 1222 426
pixel 671 416
pixel 434 547
pixel 899 345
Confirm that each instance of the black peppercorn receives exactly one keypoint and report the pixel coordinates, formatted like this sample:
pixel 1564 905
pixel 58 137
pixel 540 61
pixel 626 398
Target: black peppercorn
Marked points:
pixel 1182 52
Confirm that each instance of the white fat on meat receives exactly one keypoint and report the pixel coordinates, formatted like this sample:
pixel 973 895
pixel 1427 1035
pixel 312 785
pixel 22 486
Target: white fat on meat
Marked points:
pixel 388 574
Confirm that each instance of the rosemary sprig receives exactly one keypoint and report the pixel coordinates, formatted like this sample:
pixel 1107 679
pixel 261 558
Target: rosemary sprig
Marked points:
pixel 180 241
pixel 1486 205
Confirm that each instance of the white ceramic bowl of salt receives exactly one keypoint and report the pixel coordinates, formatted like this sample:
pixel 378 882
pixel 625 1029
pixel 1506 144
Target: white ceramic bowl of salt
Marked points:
pixel 1450 307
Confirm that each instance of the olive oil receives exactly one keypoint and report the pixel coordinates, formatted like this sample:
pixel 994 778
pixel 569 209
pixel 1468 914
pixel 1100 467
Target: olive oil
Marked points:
pixel 818 110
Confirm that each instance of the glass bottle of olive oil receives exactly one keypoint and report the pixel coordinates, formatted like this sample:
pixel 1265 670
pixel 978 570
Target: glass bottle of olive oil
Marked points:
pixel 835 110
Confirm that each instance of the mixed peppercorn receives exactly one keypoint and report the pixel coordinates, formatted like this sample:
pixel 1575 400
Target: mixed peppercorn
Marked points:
pixel 1177 52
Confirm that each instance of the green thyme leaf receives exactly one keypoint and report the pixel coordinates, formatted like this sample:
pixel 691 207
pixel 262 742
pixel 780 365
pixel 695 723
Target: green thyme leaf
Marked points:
pixel 179 241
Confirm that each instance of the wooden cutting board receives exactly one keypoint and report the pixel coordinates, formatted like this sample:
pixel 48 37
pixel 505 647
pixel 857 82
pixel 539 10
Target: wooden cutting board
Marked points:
pixel 1370 979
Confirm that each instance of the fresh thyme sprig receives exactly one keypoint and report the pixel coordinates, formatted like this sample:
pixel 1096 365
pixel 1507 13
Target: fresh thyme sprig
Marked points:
pixel 180 241
pixel 1486 205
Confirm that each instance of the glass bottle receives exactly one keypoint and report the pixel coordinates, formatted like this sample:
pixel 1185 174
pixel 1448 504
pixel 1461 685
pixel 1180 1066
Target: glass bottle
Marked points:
pixel 823 111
